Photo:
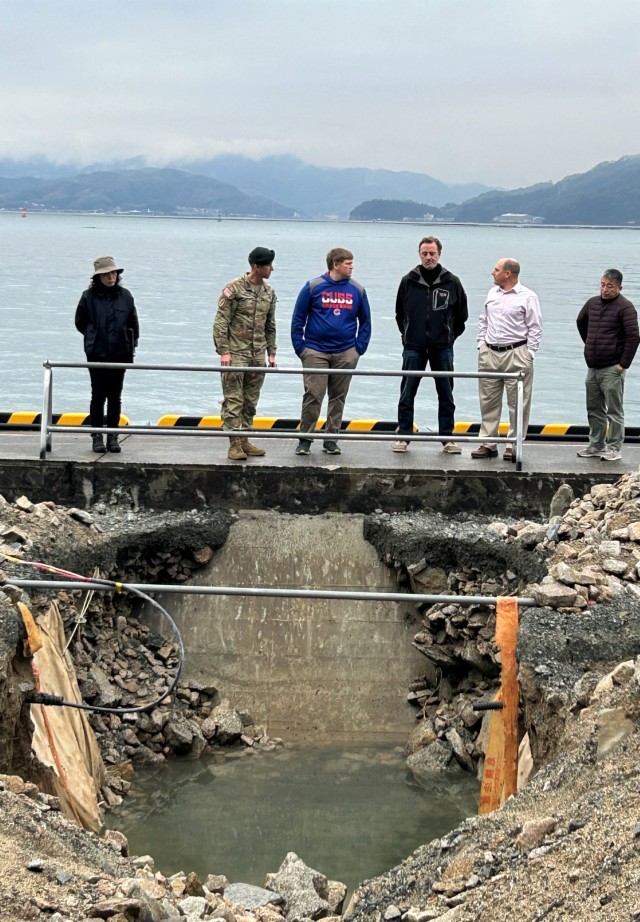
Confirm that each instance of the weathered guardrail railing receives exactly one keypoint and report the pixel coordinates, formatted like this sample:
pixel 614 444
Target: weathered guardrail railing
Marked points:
pixel 47 428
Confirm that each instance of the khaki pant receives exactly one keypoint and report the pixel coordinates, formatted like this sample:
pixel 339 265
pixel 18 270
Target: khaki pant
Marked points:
pixel 316 386
pixel 492 390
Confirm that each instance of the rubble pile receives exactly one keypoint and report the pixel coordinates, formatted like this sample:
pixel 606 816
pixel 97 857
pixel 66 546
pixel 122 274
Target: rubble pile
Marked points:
pixel 594 548
pixel 565 848
pixel 62 873
pixel 462 660
pixel 120 661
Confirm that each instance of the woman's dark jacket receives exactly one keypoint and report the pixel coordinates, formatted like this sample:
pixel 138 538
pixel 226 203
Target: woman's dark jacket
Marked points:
pixel 609 331
pixel 430 316
pixel 109 322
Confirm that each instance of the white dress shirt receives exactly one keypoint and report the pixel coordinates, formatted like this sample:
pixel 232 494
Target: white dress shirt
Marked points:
pixel 511 316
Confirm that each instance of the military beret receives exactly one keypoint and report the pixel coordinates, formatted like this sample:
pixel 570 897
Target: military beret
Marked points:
pixel 261 256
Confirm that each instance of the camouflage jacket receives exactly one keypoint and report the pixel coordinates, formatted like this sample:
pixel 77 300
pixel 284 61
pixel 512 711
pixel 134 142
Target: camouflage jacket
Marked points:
pixel 245 322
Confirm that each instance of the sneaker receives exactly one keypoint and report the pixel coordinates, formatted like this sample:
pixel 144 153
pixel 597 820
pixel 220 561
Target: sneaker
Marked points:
pixel 611 454
pixel 304 447
pixel 590 452
pixel 400 446
pixel 331 448
pixel 451 448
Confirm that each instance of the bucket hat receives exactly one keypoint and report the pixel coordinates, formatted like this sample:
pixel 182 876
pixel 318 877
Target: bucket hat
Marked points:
pixel 104 264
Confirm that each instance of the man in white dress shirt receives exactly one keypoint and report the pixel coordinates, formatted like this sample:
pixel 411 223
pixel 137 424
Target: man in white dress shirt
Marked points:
pixel 508 338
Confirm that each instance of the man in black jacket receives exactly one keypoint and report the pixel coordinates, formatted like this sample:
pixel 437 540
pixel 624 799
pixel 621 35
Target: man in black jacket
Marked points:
pixel 431 311
pixel 608 326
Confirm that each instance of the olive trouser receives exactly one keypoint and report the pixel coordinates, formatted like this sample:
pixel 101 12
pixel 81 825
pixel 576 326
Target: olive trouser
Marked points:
pixel 605 407
pixel 241 392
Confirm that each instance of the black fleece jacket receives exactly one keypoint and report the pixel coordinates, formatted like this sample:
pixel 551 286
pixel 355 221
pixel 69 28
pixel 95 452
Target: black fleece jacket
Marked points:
pixel 430 316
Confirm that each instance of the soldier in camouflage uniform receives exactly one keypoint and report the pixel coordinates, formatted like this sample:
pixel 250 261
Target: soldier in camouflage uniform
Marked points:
pixel 243 330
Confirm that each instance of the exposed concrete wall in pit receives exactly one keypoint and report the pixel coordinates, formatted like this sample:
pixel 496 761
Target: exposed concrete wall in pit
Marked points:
pixel 305 668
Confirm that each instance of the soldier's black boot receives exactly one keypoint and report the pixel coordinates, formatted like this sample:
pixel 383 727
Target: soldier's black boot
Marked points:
pixel 112 443
pixel 98 443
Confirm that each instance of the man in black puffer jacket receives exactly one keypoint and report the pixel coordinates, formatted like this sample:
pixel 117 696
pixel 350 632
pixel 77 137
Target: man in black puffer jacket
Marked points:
pixel 608 325
pixel 431 312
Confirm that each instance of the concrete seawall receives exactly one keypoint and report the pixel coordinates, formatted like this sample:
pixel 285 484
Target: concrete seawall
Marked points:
pixel 185 473
pixel 320 669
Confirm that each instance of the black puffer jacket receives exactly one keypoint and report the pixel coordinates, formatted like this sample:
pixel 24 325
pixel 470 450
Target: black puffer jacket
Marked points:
pixel 430 316
pixel 609 331
pixel 109 322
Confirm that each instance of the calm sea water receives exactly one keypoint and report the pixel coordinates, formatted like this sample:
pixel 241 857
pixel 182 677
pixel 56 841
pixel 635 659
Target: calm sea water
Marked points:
pixel 176 269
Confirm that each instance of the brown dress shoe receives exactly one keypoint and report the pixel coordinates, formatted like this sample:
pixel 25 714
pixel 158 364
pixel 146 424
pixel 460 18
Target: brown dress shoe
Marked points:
pixel 485 452
pixel 509 455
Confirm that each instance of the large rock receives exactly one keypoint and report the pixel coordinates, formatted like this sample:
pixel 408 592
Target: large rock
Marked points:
pixel 561 502
pixel 427 580
pixel 438 757
pixel 248 896
pixel 178 733
pixel 421 736
pixel 108 695
pixel 553 594
pixel 229 726
pixel 303 889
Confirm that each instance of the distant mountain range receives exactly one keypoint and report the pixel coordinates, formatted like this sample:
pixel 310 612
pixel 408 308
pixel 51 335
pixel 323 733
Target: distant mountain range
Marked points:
pixel 270 187
pixel 167 192
pixel 607 194
pixel 322 191
pixel 286 187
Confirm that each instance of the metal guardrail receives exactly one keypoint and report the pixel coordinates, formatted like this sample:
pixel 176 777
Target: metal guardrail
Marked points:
pixel 269 592
pixel 47 428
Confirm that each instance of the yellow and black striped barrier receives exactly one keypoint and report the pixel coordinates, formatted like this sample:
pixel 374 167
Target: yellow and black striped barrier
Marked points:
pixel 278 423
pixel 29 419
pixel 551 432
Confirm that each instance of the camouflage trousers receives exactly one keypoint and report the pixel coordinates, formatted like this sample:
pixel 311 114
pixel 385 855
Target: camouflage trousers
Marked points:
pixel 241 393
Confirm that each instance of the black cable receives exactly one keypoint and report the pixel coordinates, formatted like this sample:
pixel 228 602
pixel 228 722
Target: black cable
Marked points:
pixel 56 700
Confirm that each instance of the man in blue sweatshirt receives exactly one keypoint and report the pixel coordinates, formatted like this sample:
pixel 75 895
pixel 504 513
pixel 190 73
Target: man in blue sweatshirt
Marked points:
pixel 330 328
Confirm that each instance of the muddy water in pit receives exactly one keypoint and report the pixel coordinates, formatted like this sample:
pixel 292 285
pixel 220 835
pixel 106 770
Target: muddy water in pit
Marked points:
pixel 349 811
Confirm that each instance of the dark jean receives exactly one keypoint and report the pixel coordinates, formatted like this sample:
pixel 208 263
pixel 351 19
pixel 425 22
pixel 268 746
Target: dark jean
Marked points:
pixel 438 360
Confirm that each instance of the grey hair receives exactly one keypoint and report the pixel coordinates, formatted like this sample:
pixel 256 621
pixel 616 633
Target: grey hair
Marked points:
pixel 512 266
pixel 613 275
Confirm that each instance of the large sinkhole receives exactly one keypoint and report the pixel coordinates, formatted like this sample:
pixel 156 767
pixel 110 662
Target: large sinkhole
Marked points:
pixel 351 689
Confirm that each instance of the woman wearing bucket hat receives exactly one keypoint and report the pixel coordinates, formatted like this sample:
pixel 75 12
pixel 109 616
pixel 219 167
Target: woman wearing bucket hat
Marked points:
pixel 107 318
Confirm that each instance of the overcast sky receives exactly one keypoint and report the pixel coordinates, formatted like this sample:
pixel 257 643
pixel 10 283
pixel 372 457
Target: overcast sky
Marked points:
pixel 502 93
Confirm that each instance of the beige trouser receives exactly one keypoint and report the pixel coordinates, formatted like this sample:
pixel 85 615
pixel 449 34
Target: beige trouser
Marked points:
pixel 492 389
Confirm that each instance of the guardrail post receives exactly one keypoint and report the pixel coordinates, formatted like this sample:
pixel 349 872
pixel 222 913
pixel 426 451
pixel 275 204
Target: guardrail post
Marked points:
pixel 47 413
pixel 519 420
